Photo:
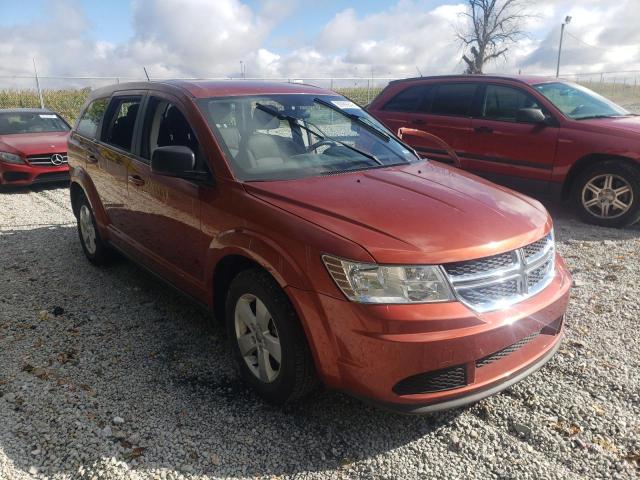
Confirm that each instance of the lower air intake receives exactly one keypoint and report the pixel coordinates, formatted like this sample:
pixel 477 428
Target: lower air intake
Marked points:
pixel 428 382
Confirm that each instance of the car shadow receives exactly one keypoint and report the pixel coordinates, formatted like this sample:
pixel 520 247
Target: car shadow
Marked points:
pixel 38 187
pixel 122 344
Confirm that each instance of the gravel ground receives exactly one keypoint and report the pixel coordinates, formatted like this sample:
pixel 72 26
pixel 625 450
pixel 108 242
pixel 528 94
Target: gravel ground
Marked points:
pixel 107 373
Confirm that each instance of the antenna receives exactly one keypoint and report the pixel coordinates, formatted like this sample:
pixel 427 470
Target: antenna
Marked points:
pixel 38 83
pixel 418 70
pixel 145 72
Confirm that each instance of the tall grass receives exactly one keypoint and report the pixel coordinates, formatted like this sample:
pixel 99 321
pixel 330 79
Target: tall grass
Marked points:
pixel 68 102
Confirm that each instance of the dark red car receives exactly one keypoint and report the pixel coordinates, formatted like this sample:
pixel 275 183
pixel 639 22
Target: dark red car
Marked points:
pixel 33 147
pixel 330 250
pixel 533 133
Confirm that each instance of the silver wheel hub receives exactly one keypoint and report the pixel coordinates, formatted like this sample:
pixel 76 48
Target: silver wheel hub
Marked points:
pixel 607 196
pixel 257 338
pixel 87 230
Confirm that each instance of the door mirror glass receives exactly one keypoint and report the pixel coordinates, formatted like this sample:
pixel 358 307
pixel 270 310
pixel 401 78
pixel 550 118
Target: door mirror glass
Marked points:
pixel 530 115
pixel 173 161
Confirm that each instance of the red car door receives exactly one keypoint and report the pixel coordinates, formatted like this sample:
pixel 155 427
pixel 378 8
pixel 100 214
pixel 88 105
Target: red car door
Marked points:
pixel 502 144
pixel 163 212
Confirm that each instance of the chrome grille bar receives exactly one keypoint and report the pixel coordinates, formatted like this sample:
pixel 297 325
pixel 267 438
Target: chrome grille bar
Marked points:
pixel 495 282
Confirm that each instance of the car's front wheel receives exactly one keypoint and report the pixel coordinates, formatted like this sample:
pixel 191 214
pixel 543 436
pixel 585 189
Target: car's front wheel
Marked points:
pixel 608 194
pixel 268 344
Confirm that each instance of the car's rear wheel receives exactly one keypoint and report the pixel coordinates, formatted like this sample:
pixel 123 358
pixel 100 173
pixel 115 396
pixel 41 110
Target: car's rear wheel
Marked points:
pixel 608 194
pixel 267 341
pixel 95 249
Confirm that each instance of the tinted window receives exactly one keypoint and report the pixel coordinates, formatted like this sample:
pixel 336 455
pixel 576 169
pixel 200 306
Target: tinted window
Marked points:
pixel 453 99
pixel 120 121
pixel 408 100
pixel 165 125
pixel 502 103
pixel 88 124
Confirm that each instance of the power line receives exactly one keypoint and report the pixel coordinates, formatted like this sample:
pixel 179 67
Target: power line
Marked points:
pixel 585 43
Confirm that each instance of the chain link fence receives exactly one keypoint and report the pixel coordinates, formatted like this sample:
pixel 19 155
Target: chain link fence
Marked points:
pixel 66 94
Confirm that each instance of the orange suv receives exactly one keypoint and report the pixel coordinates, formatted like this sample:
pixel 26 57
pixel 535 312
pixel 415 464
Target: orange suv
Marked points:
pixel 331 251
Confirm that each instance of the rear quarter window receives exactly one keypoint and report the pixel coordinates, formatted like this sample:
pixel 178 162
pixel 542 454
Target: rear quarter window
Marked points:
pixel 408 100
pixel 453 99
pixel 90 119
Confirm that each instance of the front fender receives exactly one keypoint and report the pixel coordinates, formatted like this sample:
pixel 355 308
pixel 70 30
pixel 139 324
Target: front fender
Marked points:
pixel 262 250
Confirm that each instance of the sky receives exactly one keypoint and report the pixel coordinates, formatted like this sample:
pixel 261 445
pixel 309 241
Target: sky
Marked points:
pixel 298 38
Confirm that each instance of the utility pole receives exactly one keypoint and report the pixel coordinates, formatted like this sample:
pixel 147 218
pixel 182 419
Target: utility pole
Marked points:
pixel 38 83
pixel 567 20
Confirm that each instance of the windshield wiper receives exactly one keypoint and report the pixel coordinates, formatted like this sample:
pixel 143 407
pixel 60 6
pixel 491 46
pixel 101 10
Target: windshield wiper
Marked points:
pixel 589 117
pixel 356 118
pixel 321 136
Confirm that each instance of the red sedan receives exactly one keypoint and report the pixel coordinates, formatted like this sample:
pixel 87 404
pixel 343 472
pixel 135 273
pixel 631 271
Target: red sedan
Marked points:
pixel 33 147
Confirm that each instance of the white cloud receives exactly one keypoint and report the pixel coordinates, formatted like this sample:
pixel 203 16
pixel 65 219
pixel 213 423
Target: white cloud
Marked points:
pixel 206 38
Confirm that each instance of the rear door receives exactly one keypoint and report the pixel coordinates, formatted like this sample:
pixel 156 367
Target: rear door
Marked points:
pixel 163 213
pixel 107 164
pixel 502 146
pixel 442 109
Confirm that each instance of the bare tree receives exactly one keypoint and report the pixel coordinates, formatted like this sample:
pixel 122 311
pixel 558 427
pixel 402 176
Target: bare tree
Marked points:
pixel 490 27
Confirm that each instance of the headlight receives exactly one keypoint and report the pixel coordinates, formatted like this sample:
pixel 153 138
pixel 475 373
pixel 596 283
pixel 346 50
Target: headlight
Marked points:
pixel 372 283
pixel 10 157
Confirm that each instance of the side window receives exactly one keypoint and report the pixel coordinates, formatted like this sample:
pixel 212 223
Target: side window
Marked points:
pixel 90 119
pixel 453 99
pixel 165 125
pixel 502 103
pixel 120 121
pixel 408 100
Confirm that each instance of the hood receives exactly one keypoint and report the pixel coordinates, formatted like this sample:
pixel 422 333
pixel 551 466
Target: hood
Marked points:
pixel 421 213
pixel 34 143
pixel 622 125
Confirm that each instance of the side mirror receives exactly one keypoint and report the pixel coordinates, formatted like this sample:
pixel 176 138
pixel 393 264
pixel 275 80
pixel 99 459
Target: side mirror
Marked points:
pixel 177 161
pixel 530 115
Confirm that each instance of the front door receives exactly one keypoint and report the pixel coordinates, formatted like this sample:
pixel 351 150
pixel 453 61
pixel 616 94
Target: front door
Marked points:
pixel 164 212
pixel 502 146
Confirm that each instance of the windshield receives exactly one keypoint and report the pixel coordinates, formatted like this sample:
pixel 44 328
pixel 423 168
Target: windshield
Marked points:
pixel 278 137
pixel 578 102
pixel 30 122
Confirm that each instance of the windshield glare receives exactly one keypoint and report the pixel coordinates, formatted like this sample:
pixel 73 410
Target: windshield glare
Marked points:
pixel 278 137
pixel 578 102
pixel 30 122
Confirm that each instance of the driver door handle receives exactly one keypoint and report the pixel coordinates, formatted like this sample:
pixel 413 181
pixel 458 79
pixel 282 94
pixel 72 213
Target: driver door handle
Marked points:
pixel 418 121
pixel 137 180
pixel 483 129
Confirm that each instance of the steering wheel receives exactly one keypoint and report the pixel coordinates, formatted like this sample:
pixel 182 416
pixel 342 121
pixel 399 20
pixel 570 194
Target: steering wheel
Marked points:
pixel 319 144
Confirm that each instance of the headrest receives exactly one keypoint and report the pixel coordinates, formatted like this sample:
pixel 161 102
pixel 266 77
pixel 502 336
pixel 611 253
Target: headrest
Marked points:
pixel 220 112
pixel 262 120
pixel 132 111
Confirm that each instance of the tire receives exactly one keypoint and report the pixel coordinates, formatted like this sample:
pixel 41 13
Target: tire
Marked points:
pixel 605 208
pixel 294 375
pixel 95 249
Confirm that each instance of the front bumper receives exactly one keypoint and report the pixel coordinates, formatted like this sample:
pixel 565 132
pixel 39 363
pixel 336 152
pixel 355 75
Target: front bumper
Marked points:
pixel 24 174
pixel 375 351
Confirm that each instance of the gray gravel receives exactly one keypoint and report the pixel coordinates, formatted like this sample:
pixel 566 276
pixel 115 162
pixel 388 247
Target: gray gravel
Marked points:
pixel 107 373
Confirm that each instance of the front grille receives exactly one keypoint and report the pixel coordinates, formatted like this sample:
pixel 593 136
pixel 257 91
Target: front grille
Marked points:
pixel 498 281
pixel 500 354
pixel 483 265
pixel 491 293
pixel 428 382
pixel 48 160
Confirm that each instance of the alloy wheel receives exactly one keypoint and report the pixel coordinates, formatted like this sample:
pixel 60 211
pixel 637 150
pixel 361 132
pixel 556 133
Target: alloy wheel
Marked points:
pixel 87 229
pixel 257 338
pixel 607 196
